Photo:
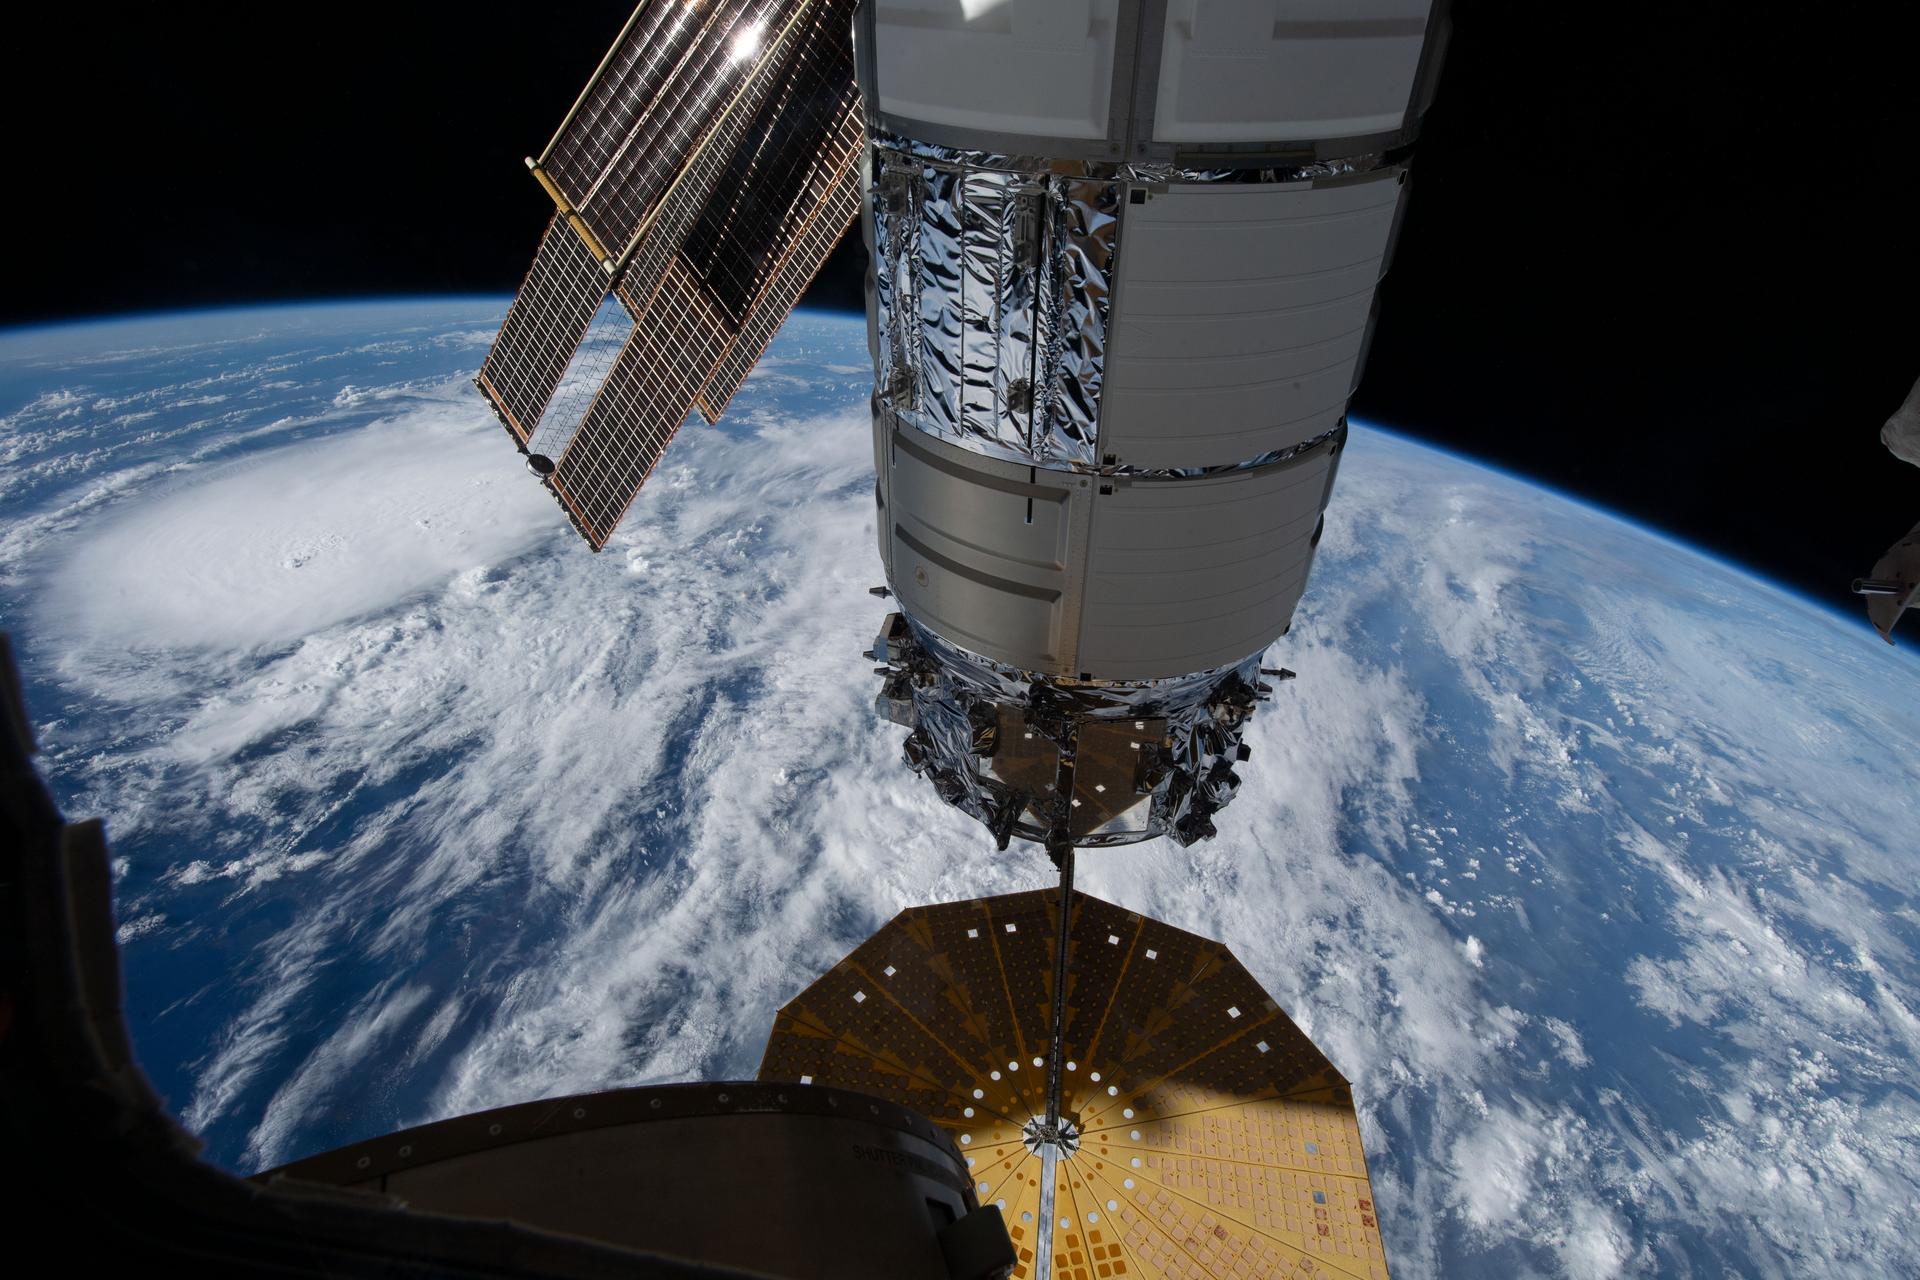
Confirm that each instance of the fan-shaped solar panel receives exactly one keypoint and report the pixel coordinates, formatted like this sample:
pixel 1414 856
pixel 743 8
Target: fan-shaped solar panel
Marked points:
pixel 702 178
pixel 1213 1138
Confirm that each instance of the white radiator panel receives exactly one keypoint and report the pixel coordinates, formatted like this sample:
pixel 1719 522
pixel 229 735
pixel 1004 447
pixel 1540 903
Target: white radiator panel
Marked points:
pixel 1286 70
pixel 1039 67
pixel 1239 317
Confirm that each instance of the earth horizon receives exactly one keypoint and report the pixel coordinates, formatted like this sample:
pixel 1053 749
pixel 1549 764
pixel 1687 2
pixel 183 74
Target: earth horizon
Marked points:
pixel 1587 858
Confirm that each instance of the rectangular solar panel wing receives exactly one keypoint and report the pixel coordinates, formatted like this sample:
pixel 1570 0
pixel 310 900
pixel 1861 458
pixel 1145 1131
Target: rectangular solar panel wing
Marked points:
pixel 543 328
pixel 621 92
pixel 706 172
pixel 800 244
pixel 639 408
pixel 630 140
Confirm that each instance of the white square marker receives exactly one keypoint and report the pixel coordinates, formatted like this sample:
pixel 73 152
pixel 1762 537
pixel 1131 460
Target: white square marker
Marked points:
pixel 890 971
pixel 1262 1046
pixel 859 997
pixel 806 1079
pixel 1233 1011
pixel 1012 927
pixel 973 933
pixel 1113 939
pixel 1152 954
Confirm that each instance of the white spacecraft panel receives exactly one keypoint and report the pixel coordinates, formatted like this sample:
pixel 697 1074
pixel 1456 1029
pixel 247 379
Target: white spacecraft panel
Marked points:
pixel 977 550
pixel 1040 67
pixel 1287 70
pixel 1061 572
pixel 1239 317
pixel 1198 573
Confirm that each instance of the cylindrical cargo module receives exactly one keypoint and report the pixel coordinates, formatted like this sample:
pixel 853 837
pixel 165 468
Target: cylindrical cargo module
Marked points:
pixel 1124 269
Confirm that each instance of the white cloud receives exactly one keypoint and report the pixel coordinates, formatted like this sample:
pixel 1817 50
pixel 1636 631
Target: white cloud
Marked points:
pixel 507 819
pixel 292 541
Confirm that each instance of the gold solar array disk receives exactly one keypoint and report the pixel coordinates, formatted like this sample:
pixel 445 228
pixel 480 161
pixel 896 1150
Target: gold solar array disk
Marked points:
pixel 1214 1139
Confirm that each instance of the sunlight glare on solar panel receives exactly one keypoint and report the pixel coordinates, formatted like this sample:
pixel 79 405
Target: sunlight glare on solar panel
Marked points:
pixel 711 163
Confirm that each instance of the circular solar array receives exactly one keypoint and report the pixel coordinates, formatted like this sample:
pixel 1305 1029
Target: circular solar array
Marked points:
pixel 1213 1138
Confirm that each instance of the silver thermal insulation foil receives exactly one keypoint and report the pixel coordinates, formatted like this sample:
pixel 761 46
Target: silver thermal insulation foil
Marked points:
pixel 992 288
pixel 1086 763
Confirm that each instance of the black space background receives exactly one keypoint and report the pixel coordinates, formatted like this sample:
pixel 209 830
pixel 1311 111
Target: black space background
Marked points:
pixel 1660 256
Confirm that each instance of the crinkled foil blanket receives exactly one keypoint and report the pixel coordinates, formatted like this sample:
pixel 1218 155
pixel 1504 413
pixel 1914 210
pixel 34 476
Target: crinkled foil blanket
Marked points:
pixel 993 279
pixel 991 289
pixel 1002 744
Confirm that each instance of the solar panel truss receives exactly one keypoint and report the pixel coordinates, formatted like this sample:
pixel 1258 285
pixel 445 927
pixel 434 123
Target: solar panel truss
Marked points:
pixel 1211 1138
pixel 702 178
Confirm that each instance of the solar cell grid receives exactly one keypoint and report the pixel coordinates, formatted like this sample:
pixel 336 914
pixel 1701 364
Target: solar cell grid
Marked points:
pixel 668 225
pixel 1099 964
pixel 679 123
pixel 911 976
pixel 1229 1179
pixel 961 939
pixel 807 253
pixel 851 1001
pixel 1151 983
pixel 931 1091
pixel 619 95
pixel 1289 1061
pixel 1026 964
pixel 543 328
pixel 638 409
pixel 593 360
pixel 736 122
pixel 745 229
